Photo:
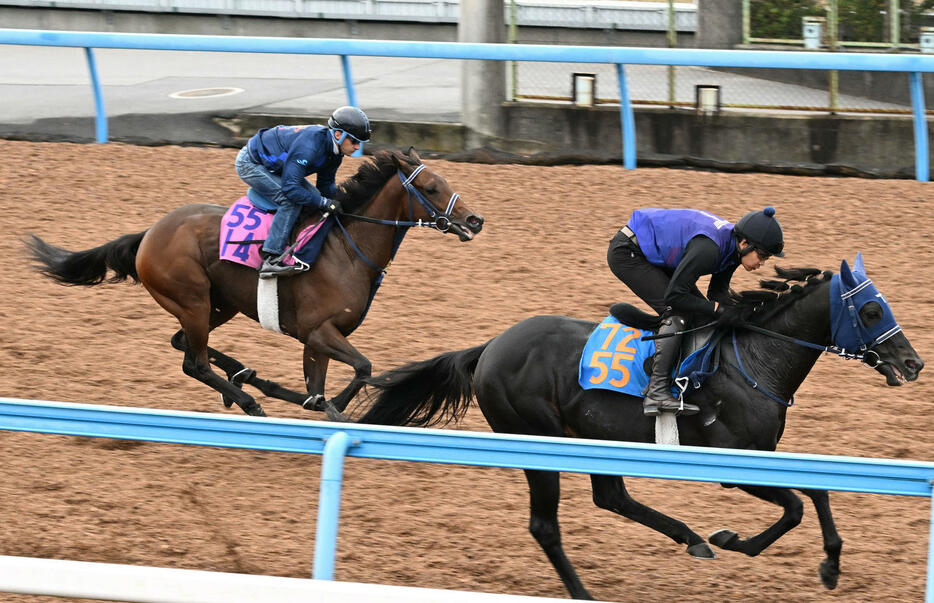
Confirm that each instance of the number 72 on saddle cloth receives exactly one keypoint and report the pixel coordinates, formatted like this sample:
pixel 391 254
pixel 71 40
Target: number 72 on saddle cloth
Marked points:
pixel 614 359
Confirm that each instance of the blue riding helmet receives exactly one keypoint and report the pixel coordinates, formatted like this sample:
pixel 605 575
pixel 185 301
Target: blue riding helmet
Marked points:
pixel 850 290
pixel 762 231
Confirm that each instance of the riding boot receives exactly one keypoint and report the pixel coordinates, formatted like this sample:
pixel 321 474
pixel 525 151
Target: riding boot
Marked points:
pixel 658 396
pixel 274 266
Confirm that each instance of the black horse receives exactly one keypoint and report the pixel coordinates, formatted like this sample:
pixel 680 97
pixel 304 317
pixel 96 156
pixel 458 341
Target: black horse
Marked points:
pixel 526 382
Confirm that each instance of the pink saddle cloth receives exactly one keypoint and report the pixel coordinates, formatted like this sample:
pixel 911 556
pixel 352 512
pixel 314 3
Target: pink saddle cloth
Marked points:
pixel 245 227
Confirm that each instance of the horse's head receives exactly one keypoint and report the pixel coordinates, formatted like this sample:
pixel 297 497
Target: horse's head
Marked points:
pixel 434 199
pixel 862 322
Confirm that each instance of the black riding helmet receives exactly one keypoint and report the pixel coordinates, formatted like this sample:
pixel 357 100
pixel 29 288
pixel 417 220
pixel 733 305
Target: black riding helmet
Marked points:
pixel 351 120
pixel 762 231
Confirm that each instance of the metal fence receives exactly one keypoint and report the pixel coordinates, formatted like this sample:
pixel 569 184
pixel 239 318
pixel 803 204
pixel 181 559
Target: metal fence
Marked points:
pixel 336 440
pixel 677 87
pixel 913 66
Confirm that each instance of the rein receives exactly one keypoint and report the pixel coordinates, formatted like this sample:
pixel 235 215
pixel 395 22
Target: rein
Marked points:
pixel 834 349
pixel 441 221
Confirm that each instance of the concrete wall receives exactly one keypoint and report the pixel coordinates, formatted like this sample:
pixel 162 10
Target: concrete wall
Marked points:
pixel 142 22
pixel 807 144
pixel 719 23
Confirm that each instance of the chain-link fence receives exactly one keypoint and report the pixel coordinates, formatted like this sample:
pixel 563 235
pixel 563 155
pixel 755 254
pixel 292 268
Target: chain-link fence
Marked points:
pixel 776 90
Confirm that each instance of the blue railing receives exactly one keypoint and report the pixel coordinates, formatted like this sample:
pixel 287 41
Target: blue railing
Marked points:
pixel 335 440
pixel 913 64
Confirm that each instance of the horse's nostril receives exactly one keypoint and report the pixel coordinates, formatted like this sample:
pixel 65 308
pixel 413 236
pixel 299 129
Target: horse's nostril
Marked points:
pixel 475 223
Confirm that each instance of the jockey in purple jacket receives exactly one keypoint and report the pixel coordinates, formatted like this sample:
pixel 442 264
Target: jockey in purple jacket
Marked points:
pixel 276 163
pixel 661 253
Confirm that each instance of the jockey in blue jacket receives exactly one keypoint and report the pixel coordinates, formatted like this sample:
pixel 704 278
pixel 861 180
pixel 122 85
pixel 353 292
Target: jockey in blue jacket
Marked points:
pixel 276 163
pixel 661 253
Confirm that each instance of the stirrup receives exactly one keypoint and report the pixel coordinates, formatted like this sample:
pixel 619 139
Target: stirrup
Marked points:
pixel 653 408
pixel 274 267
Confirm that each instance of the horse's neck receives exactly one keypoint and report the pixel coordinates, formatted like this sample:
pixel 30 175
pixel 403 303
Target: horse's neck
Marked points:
pixel 375 241
pixel 782 366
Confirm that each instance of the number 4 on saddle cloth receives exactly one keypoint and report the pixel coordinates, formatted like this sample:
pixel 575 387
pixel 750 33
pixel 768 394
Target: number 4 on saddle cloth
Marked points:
pixel 618 359
pixel 246 224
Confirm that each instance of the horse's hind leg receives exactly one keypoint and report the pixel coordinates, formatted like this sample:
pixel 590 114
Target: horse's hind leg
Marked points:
pixel 610 493
pixel 194 314
pixel 544 493
pixel 197 365
pixel 238 373
pixel 830 567
pixel 791 517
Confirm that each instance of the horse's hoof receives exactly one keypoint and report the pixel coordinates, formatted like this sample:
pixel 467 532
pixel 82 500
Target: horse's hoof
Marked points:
pixel 725 539
pixel 315 402
pixel 255 411
pixel 242 376
pixel 251 407
pixel 333 414
pixel 701 551
pixel 829 574
pixel 228 402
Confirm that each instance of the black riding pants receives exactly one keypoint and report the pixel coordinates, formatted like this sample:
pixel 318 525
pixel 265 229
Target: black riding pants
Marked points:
pixel 646 280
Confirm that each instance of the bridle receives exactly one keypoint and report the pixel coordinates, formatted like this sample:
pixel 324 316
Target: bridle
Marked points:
pixel 439 220
pixel 851 339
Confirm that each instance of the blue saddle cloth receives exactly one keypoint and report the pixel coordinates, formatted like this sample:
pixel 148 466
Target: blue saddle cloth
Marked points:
pixel 615 358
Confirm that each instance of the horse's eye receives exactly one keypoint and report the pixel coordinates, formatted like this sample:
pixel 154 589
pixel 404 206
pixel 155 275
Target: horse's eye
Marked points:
pixel 871 313
pixel 431 190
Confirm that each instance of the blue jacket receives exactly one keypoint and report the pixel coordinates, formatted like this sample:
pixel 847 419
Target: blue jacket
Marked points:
pixel 664 233
pixel 687 244
pixel 295 152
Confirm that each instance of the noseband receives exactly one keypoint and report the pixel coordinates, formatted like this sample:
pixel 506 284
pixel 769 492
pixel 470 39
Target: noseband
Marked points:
pixel 442 220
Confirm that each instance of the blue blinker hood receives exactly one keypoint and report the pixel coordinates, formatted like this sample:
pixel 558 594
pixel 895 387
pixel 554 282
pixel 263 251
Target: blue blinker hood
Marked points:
pixel 850 290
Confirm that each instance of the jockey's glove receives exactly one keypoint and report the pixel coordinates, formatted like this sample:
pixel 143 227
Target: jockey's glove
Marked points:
pixel 734 315
pixel 331 205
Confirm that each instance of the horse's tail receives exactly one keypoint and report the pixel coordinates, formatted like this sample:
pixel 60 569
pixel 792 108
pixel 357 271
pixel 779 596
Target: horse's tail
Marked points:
pixel 430 392
pixel 88 267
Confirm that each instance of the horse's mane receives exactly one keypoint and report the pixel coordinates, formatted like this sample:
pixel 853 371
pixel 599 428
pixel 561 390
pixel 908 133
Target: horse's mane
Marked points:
pixel 370 178
pixel 776 295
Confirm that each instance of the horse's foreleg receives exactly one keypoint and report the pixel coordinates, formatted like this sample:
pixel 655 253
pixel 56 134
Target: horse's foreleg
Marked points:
pixel 328 341
pixel 544 493
pixel 793 511
pixel 315 365
pixel 830 567
pixel 610 493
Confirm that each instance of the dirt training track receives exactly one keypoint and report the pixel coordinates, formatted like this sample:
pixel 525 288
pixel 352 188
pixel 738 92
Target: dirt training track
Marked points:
pixel 542 251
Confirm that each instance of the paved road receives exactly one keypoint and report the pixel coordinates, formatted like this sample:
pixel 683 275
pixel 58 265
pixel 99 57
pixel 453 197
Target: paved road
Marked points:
pixel 45 92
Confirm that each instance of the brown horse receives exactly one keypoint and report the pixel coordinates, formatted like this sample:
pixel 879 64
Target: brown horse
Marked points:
pixel 177 260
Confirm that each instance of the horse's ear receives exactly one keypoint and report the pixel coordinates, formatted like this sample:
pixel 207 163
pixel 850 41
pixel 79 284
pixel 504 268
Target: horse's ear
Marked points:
pixel 395 160
pixel 846 276
pixel 858 264
pixel 411 153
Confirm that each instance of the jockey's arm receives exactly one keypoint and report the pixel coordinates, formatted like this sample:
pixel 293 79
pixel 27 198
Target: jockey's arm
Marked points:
pixel 326 182
pixel 294 183
pixel 701 256
pixel 719 288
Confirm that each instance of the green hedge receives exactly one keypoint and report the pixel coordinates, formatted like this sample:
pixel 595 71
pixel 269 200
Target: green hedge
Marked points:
pixel 781 19
pixel 859 20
